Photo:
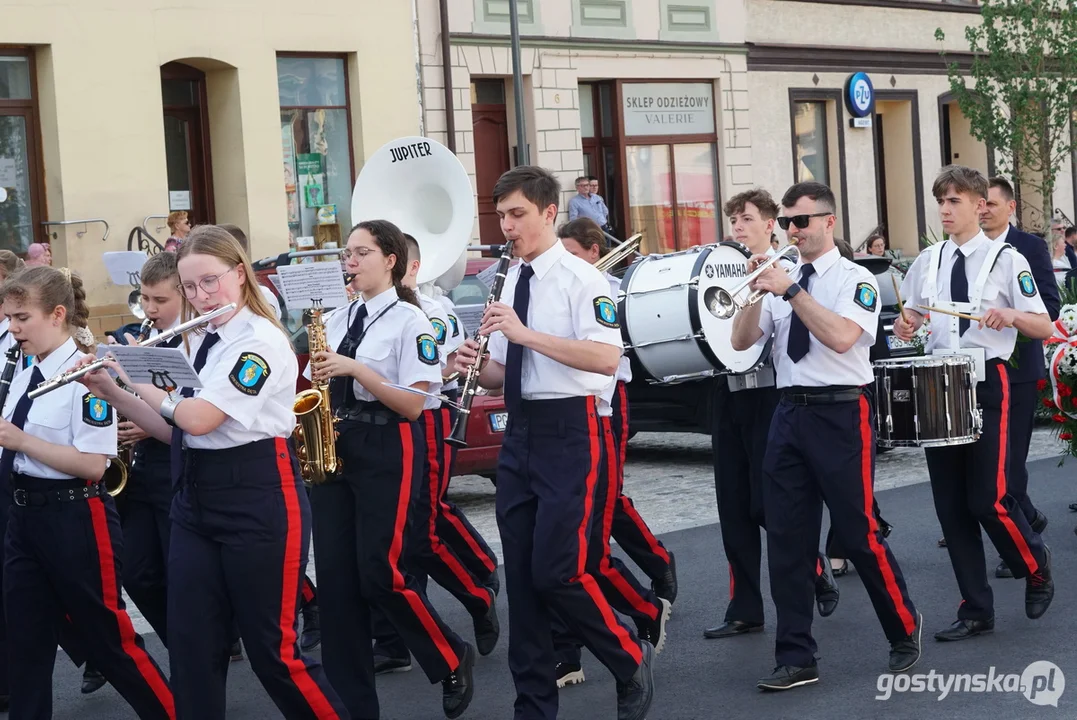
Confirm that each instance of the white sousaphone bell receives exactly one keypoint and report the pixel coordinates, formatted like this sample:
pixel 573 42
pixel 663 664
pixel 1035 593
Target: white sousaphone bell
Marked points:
pixel 420 186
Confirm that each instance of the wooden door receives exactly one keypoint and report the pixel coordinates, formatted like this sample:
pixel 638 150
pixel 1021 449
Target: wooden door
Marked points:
pixel 187 149
pixel 491 126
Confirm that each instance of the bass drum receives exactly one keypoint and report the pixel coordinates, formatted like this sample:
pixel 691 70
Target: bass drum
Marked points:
pixel 665 322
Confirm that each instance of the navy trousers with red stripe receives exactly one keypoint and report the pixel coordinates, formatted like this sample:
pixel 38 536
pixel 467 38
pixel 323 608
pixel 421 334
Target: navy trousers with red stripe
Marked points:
pixel 453 527
pixel 969 485
pixel 816 454
pixel 628 528
pixel 620 587
pixel 63 559
pixel 239 547
pixel 1024 399
pixel 360 530
pixel 146 533
pixel 547 473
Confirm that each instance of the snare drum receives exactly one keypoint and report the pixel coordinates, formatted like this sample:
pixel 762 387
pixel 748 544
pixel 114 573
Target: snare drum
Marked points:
pixel 666 323
pixel 926 401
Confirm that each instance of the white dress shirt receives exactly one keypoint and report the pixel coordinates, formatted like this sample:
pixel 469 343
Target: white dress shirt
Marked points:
pixel 250 376
pixel 569 299
pixel 69 415
pixel 840 286
pixel 448 343
pixel 270 298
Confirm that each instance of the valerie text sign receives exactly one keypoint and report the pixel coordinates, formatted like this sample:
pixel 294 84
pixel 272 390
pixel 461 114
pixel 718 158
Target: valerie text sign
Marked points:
pixel 668 108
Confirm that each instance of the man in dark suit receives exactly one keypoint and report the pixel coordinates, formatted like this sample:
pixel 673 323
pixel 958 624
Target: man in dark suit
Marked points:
pixel 995 222
pixel 1071 240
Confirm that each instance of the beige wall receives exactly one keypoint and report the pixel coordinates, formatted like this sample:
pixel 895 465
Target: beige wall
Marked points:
pixel 100 97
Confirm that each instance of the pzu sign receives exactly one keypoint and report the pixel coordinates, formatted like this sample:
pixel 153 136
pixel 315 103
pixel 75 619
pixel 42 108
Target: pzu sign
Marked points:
pixel 859 95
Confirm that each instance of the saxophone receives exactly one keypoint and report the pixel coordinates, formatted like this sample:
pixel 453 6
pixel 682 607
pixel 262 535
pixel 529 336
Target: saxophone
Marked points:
pixel 316 437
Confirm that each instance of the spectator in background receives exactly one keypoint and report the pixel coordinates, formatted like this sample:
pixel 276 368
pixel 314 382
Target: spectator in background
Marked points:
pixel 877 245
pixel 179 225
pixel 588 205
pixel 38 254
pixel 1071 242
pixel 1059 262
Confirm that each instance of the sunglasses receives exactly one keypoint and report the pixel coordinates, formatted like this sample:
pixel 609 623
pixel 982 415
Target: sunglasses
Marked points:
pixel 801 221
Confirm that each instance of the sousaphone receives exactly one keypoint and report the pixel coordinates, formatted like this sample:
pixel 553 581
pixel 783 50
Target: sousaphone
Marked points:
pixel 420 186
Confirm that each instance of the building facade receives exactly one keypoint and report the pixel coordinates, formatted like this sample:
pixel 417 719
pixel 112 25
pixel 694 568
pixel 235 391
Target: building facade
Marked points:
pixel 258 116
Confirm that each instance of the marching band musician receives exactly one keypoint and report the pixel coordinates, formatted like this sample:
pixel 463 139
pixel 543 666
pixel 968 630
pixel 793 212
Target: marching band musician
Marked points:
pixel 743 407
pixel 361 516
pixel 428 554
pixel 9 264
pixel 555 357
pixel 976 276
pixel 1024 394
pixel 821 445
pixel 584 239
pixel 240 516
pixel 63 543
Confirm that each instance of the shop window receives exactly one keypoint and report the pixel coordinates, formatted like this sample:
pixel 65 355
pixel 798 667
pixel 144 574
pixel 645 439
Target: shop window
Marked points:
pixel 696 173
pixel 21 193
pixel 316 138
pixel 815 118
pixel 650 197
pixel 810 131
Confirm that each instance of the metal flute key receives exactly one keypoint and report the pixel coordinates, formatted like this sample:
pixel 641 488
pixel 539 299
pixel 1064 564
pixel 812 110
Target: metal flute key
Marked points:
pixel 72 375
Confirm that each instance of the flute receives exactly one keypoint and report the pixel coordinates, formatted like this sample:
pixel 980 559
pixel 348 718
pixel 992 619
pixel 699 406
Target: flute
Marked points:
pixel 72 375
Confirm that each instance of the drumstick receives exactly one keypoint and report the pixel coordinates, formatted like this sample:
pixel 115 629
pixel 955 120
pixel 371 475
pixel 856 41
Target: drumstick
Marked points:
pixel 901 305
pixel 963 316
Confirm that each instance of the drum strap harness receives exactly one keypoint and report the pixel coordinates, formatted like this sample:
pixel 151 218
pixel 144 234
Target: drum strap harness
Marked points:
pixel 951 345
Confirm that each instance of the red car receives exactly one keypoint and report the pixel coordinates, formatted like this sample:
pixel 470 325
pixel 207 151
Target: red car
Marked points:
pixel 488 416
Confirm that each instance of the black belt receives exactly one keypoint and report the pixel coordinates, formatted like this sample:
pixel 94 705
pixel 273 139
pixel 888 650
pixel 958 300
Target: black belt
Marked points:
pixel 821 398
pixel 66 492
pixel 370 413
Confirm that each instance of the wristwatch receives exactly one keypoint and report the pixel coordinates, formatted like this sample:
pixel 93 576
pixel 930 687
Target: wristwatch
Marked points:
pixel 791 292
pixel 168 407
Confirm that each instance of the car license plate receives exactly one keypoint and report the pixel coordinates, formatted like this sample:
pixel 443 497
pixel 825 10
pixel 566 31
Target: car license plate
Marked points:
pixel 895 343
pixel 498 421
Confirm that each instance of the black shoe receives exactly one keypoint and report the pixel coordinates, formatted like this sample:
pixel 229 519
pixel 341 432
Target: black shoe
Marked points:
pixel 826 588
pixel 1039 523
pixel 312 628
pixel 494 583
pixel 1073 507
pixel 458 687
pixel 665 587
pixel 654 631
pixel 92 680
pixel 384 664
pixel 487 628
pixel 787 677
pixel 842 569
pixel 885 528
pixel 1039 588
pixel 731 628
pixel 965 629
pixel 942 542
pixel 635 696
pixel 905 653
pixel 1003 570
pixel 236 651
pixel 569 674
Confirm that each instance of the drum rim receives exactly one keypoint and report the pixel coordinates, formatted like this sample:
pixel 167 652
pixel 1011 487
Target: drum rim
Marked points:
pixel 925 361
pixel 622 301
pixel 693 309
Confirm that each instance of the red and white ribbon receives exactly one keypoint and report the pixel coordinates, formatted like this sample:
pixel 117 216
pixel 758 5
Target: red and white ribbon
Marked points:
pixel 1065 342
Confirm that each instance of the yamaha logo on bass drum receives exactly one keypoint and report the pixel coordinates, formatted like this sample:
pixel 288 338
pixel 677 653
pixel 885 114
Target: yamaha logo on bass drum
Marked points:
pixel 726 270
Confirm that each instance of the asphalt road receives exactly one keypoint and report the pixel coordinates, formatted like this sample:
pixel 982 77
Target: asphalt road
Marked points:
pixel 703 679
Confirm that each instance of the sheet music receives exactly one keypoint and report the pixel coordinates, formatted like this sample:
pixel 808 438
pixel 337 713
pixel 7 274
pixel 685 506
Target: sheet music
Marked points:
pixel 163 367
pixel 125 267
pixel 305 286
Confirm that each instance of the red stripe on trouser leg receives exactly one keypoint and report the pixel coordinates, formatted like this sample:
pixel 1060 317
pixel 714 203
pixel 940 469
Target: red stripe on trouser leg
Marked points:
pixel 414 601
pixel 293 551
pixel 110 593
pixel 641 526
pixel 433 490
pixel 449 514
pixel 620 411
pixel 308 590
pixel 889 579
pixel 585 579
pixel 1000 477
pixel 818 567
pixel 629 593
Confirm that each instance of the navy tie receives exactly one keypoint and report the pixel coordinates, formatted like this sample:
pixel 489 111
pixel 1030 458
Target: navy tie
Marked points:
pixel 514 357
pixel 959 287
pixel 798 331
pixel 18 419
pixel 177 434
pixel 338 386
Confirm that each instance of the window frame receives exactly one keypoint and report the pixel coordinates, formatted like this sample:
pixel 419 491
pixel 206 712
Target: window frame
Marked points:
pixel 29 110
pixel 826 95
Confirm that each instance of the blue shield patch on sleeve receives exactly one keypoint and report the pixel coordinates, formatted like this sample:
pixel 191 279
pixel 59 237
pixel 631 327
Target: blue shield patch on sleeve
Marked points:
pixel 606 312
pixel 866 296
pixel 249 374
pixel 455 325
pixel 440 330
pixel 95 411
pixel 428 349
pixel 1027 284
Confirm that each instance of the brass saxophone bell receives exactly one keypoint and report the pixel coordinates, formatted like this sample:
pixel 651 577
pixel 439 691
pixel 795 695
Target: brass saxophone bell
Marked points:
pixel 115 477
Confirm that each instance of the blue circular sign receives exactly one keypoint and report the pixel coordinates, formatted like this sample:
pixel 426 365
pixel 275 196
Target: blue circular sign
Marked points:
pixel 859 95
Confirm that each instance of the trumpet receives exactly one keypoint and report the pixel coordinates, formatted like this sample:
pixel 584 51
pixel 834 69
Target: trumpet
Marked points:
pixel 72 375
pixel 619 253
pixel 724 304
pixel 115 477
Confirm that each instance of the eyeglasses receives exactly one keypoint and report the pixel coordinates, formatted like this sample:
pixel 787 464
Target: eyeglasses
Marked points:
pixel 210 284
pixel 801 221
pixel 358 254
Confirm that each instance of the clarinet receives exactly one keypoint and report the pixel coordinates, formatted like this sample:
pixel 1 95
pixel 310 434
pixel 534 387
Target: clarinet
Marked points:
pixel 458 438
pixel 10 366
